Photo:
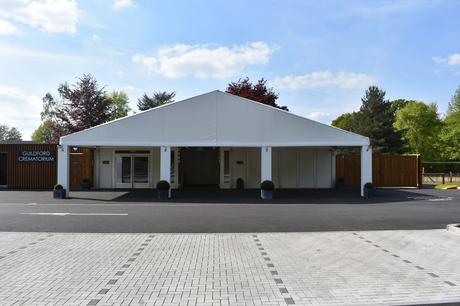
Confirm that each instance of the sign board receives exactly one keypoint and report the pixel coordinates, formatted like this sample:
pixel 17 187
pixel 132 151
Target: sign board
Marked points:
pixel 36 156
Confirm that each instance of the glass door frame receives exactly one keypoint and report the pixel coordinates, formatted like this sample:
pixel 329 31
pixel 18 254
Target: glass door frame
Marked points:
pixel 132 184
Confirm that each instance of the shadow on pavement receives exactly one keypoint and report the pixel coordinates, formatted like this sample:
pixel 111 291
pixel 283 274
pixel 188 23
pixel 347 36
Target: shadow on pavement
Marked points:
pixel 252 196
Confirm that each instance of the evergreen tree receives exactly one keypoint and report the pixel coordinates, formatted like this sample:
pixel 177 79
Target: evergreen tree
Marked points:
pixel 158 98
pixel 375 120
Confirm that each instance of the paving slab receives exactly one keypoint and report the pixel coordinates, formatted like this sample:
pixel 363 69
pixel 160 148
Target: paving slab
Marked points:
pixel 328 268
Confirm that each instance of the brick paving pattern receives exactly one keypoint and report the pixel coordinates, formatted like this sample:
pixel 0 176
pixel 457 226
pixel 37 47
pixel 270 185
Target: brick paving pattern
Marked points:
pixel 332 268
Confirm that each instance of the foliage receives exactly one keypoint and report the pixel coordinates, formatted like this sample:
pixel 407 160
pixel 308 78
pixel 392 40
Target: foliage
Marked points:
pixel 119 104
pixel 398 104
pixel 9 133
pixel 450 134
pixel 85 105
pixel 344 121
pixel 163 185
pixel 257 92
pixel 267 185
pixel 158 98
pixel 420 126
pixel 58 187
pixel 375 120
pixel 44 132
pixel 369 185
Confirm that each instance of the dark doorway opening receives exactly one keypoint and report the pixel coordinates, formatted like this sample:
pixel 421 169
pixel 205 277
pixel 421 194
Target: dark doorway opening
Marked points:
pixel 199 167
pixel 3 169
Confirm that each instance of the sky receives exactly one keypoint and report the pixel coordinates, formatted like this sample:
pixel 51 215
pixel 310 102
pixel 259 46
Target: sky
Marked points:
pixel 320 56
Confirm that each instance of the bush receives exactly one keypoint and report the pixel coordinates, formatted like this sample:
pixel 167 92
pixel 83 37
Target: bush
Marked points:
pixel 369 185
pixel 58 187
pixel 163 185
pixel 267 185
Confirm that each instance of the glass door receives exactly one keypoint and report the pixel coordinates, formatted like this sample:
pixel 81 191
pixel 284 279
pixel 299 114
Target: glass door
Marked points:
pixel 132 171
pixel 140 171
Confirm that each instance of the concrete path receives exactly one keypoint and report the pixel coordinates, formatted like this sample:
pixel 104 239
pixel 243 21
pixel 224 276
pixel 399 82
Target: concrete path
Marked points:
pixel 329 268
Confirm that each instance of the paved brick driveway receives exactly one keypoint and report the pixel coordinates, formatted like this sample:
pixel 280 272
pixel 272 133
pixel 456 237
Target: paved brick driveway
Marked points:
pixel 330 268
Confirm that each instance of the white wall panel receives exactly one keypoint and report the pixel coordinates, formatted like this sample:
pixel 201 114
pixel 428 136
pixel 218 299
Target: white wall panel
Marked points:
pixel 287 167
pixel 323 168
pixel 106 167
pixel 253 167
pixel 306 168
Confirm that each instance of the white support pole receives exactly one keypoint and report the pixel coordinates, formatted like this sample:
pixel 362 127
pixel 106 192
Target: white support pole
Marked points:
pixel 63 168
pixel 265 163
pixel 165 164
pixel 366 166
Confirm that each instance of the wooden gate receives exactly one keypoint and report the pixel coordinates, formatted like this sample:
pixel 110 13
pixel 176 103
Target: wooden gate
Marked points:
pixel 387 170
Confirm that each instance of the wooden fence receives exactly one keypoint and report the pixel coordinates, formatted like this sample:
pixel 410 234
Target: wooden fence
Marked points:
pixel 387 170
pixel 24 170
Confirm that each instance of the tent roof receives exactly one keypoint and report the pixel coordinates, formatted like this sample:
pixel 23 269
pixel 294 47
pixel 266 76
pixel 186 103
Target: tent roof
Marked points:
pixel 214 119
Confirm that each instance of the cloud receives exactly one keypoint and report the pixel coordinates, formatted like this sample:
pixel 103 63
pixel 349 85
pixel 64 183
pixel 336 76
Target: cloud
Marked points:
pixel 120 4
pixel 127 88
pixel 318 115
pixel 203 61
pixel 316 79
pixel 20 109
pixel 54 16
pixel 16 52
pixel 451 60
pixel 7 28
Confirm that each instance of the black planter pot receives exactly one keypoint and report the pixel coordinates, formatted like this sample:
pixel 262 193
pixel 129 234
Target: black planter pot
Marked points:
pixel 368 192
pixel 266 194
pixel 163 195
pixel 85 185
pixel 59 194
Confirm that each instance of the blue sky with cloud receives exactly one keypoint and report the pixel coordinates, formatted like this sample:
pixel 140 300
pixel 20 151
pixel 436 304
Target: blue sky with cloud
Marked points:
pixel 319 55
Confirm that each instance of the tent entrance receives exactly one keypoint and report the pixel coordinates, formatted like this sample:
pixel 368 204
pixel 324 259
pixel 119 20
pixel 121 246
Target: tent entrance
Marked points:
pixel 199 167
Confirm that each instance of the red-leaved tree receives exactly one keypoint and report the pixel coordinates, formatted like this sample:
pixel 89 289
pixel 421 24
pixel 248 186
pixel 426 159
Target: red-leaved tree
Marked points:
pixel 258 92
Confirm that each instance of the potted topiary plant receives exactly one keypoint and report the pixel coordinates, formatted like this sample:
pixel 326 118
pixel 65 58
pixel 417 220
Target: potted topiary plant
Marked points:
pixel 368 189
pixel 266 190
pixel 163 190
pixel 85 184
pixel 58 192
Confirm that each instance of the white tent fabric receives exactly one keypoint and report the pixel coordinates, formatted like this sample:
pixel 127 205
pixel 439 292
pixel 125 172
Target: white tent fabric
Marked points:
pixel 215 119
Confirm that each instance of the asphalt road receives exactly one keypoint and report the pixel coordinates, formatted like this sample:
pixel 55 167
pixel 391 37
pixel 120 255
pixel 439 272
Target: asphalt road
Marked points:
pixel 115 212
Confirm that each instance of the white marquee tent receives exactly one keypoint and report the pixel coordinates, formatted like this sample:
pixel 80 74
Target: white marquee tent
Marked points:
pixel 214 119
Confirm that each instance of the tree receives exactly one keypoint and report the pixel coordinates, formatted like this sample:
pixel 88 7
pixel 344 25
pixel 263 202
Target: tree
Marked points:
pixel 258 92
pixel 9 133
pixel 375 120
pixel 450 134
pixel 84 105
pixel 44 133
pixel 119 104
pixel 158 98
pixel 420 125
pixel 344 121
